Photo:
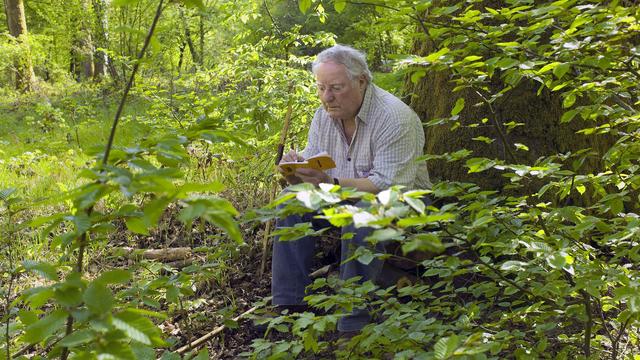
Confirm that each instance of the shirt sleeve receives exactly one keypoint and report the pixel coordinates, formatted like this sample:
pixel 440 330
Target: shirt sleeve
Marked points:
pixel 397 147
pixel 312 138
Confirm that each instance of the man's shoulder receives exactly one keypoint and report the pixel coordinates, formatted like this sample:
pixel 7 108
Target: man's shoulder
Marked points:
pixel 391 108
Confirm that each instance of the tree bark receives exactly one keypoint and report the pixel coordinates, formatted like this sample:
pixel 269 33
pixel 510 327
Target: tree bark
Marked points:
pixel 187 37
pixel 17 23
pixel 101 36
pixel 82 49
pixel 542 133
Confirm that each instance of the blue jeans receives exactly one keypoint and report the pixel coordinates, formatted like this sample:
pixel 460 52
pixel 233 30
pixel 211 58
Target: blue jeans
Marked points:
pixel 292 261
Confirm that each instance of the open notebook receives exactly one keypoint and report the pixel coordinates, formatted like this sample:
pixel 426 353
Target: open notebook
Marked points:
pixel 321 161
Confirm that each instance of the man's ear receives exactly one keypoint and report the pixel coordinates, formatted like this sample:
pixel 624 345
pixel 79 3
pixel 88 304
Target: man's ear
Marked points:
pixel 362 82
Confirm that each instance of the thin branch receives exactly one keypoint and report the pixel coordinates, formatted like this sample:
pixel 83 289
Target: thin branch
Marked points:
pixel 83 238
pixel 147 40
pixel 273 21
pixel 614 355
pixel 499 273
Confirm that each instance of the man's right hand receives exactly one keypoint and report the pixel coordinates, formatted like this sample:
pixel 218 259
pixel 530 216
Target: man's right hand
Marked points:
pixel 291 156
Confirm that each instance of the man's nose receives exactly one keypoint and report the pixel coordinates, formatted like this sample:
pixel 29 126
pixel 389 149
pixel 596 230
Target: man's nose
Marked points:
pixel 327 95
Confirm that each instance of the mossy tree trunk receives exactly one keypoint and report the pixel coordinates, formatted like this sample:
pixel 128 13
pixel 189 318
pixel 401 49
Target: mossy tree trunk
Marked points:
pixel 538 113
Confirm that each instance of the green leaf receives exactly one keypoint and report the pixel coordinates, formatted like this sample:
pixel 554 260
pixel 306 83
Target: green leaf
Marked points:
pixel 213 186
pixel 138 327
pixel 479 164
pixel 5 193
pixel 304 5
pixel 569 115
pixel 458 107
pixel 569 100
pixel 425 219
pixel 98 298
pixel 130 330
pixel 339 5
pixel 82 222
pixel 39 296
pixel 561 69
pixel 43 269
pixel 194 3
pixel 423 242
pixel 548 67
pixel 417 75
pixel 44 327
pixel 124 2
pixel 77 338
pixel 445 347
pixel 114 277
pixel 137 225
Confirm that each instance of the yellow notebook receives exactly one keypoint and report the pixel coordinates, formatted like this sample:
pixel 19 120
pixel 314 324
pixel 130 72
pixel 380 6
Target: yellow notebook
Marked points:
pixel 321 161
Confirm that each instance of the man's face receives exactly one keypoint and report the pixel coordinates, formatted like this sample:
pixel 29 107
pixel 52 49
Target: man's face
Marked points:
pixel 340 96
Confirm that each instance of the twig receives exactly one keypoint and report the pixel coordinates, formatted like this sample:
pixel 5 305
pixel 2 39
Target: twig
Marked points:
pixel 588 325
pixel 147 40
pixel 272 193
pixel 193 345
pixel 83 238
pixel 614 354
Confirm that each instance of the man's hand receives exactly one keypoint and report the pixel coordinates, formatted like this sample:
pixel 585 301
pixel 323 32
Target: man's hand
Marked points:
pixel 291 156
pixel 313 176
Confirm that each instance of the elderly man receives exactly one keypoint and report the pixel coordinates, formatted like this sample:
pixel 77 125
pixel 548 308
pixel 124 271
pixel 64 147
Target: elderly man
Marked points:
pixel 375 140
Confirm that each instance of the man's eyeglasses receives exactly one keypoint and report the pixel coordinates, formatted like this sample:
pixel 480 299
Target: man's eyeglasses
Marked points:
pixel 334 88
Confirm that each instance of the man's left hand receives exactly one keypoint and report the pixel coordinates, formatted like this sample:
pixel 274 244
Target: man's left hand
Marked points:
pixel 313 176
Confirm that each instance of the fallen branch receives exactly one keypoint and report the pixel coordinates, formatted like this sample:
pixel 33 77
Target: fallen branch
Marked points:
pixel 323 271
pixel 165 255
pixel 193 345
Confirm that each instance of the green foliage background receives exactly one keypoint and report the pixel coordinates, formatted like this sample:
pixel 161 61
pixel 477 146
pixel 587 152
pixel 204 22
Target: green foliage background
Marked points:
pixel 550 272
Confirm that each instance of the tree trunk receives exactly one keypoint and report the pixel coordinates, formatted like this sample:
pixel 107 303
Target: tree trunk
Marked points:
pixel 187 37
pixel 17 23
pixel 542 133
pixel 82 48
pixel 101 36
pixel 201 57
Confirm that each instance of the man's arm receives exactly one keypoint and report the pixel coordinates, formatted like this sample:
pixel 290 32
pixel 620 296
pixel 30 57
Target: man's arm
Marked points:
pixel 316 177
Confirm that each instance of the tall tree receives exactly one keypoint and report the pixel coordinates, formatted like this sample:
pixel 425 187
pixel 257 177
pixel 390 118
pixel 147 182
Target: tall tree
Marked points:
pixel 101 38
pixel 489 99
pixel 17 23
pixel 82 48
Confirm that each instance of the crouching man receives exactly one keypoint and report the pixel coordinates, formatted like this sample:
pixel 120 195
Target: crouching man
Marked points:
pixel 375 140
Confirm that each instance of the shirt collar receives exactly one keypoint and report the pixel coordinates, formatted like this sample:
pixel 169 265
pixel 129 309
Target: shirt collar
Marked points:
pixel 365 108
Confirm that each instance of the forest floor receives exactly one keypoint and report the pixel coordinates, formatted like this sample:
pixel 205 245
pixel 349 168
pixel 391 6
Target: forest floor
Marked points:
pixel 218 303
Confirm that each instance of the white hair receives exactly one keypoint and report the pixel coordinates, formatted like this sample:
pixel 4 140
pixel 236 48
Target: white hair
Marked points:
pixel 354 60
